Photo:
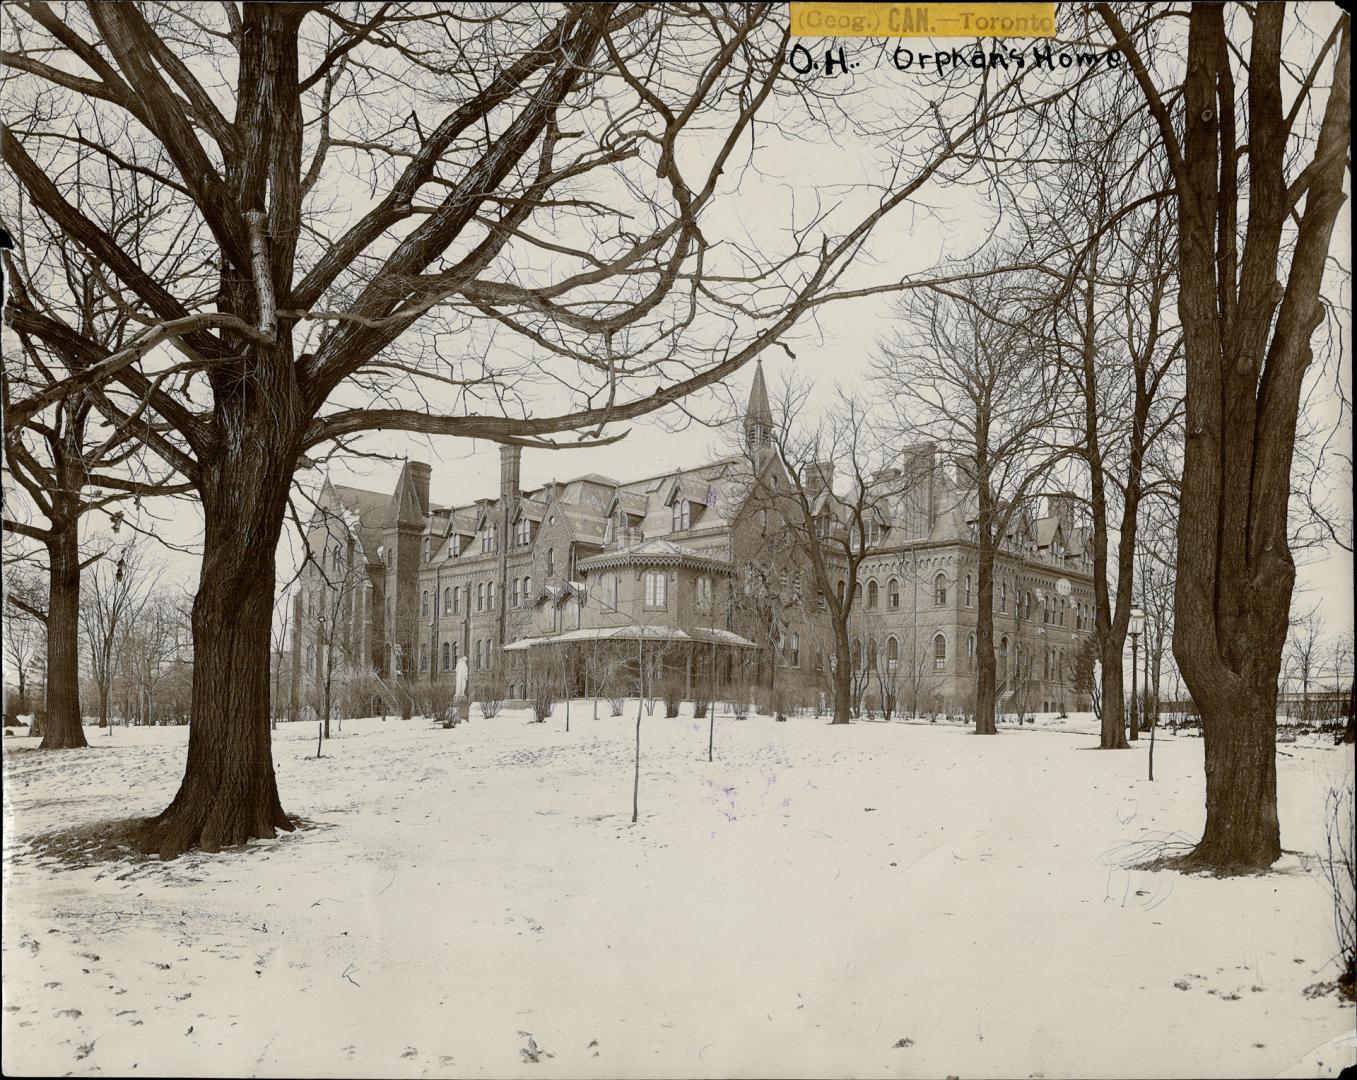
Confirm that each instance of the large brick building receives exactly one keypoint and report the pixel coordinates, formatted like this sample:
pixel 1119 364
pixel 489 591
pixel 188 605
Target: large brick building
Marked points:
pixel 592 572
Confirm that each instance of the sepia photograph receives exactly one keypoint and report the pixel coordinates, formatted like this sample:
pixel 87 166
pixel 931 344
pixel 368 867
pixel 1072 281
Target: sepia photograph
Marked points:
pixel 677 539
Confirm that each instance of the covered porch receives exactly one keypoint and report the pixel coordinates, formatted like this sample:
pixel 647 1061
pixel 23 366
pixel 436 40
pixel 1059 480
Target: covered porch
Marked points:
pixel 625 660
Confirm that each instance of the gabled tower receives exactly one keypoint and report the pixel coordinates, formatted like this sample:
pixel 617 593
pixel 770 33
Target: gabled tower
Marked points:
pixel 758 416
pixel 401 541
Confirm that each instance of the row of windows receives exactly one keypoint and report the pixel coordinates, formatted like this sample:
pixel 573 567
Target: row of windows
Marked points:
pixel 446 656
pixel 1054 658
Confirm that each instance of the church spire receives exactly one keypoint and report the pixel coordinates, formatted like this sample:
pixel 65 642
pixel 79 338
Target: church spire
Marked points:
pixel 758 417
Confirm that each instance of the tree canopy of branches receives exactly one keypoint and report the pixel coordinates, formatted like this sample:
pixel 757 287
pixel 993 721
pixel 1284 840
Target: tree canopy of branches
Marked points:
pixel 499 223
pixel 967 378
pixel 1111 328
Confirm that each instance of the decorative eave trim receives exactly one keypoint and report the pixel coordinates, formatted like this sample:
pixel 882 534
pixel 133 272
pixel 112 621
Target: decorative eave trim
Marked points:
pixel 612 559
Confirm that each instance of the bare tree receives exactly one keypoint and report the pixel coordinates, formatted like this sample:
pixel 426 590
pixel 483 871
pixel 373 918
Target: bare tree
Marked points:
pixel 554 180
pixel 150 646
pixel 1155 587
pixel 23 633
pixel 968 377
pixel 113 595
pixel 1112 329
pixel 1255 223
pixel 1304 644
pixel 816 510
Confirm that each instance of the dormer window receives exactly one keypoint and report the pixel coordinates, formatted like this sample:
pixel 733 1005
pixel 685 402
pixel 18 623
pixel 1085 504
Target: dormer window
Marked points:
pixel 428 548
pixel 683 515
pixel 523 535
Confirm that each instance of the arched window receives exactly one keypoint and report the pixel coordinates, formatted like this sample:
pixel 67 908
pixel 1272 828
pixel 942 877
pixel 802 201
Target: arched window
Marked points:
pixel 310 659
pixel 794 650
pixel 447 656
pixel 966 591
pixel 940 590
pixel 1003 598
pixel 527 590
pixel 893 594
pixel 424 602
pixel 490 596
pixel 970 651
pixel 480 596
pixel 871 654
pixel 939 653
pixel 873 595
pixel 514 595
pixel 655 589
pixel 456 599
pixel 424 658
pixel 447 599
pixel 892 655
pixel 551 561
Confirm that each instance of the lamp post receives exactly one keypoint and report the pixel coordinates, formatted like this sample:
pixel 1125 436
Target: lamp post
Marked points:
pixel 324 658
pixel 1134 628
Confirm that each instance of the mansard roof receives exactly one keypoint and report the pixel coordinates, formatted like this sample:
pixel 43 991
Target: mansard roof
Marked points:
pixel 633 502
pixel 1047 529
pixel 369 507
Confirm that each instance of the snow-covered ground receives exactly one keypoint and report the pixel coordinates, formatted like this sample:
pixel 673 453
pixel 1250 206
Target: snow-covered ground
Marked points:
pixel 874 900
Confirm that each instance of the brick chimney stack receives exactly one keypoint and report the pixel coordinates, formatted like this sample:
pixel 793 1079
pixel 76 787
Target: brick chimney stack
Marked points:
pixel 510 461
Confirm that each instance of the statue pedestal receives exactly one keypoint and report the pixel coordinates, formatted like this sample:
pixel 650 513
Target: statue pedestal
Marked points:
pixel 457 713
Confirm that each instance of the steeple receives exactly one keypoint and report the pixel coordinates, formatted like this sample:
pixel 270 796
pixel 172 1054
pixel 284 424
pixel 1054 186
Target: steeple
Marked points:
pixel 758 417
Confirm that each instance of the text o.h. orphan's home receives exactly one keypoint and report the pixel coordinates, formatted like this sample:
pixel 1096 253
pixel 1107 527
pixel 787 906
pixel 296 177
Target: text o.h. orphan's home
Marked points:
pixel 580 577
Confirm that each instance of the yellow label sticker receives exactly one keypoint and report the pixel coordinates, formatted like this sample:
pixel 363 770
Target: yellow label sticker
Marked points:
pixel 1020 20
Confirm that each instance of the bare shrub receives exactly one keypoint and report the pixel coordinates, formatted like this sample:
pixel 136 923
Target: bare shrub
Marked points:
pixel 1339 863
pixel 543 697
pixel 737 696
pixel 489 695
pixel 671 693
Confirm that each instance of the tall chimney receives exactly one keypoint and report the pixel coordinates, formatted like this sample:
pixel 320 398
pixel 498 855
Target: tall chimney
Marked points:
pixel 510 459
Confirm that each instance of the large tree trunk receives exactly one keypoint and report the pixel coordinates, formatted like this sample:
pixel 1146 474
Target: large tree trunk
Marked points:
pixel 229 794
pixel 62 729
pixel 984 644
pixel 1242 831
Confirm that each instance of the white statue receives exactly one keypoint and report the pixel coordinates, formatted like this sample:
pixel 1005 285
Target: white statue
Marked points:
pixel 461 678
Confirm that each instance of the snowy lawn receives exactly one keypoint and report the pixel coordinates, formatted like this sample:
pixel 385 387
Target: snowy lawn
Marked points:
pixel 876 900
